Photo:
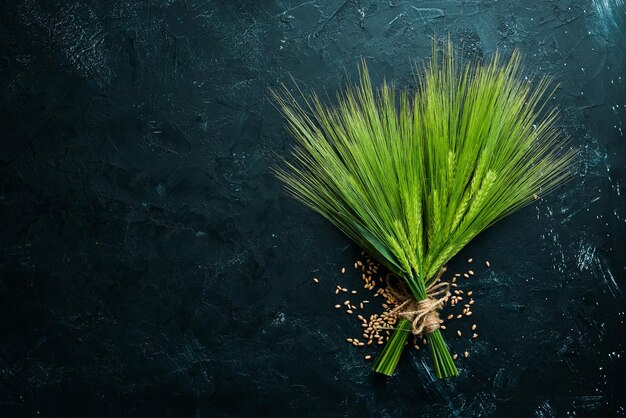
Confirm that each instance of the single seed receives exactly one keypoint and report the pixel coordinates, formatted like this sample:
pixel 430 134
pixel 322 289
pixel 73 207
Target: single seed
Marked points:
pixel 466 275
pixel 349 311
pixel 337 306
pixel 343 289
pixel 453 279
pixel 443 327
pixel 457 275
pixel 347 303
pixel 471 302
pixel 458 332
pixel 360 317
pixel 450 316
pixel 354 292
pixel 359 263
pixel 356 266
pixel 315 279
pixel 336 291
pixel 466 354
pixel 361 344
pixel 368 357
pixel 487 263
pixel 456 356
pixel 349 340
pixel 361 305
pixel 474 327
pixel 470 260
pixel 471 272
pixel 454 284
pixel 470 293
pixel 343 269
pixel 370 342
pixel 475 335
pixel 459 316
pixel 468 313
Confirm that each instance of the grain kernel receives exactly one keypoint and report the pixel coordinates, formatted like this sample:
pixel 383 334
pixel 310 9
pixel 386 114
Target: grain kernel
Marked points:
pixel 368 357
pixel 456 356
pixel 349 312
pixel 349 340
pixel 450 316
pixel 343 269
pixel 468 313
pixel 458 332
pixel 316 280
pixel 475 335
pixel 337 306
pixel 471 272
pixel 487 263
pixel 474 327
pixel 466 354
pixel 470 260
pixel 466 275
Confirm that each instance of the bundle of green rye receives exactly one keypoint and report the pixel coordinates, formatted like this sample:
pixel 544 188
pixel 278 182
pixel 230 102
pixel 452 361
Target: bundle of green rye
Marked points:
pixel 413 177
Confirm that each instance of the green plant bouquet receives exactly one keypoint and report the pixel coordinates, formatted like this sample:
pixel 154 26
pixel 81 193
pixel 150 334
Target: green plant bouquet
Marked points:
pixel 413 178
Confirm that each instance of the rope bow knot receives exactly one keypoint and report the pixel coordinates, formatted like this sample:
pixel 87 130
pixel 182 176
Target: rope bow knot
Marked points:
pixel 423 314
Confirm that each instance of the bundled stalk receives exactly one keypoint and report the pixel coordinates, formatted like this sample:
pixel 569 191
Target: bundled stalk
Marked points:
pixel 413 178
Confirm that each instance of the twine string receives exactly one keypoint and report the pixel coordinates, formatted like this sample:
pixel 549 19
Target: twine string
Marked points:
pixel 423 314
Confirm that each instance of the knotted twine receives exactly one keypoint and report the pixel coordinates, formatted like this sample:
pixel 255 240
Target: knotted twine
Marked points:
pixel 423 314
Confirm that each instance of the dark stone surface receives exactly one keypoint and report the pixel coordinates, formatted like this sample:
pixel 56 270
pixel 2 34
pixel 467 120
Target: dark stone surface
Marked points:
pixel 151 266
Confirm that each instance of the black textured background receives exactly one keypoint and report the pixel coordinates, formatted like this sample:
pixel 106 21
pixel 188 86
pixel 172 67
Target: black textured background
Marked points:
pixel 151 266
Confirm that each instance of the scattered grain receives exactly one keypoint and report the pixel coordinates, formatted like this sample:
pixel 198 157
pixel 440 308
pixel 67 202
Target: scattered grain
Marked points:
pixel 470 260
pixel 337 306
pixel 487 263
pixel 474 327
pixel 466 354
pixel 458 332
pixel 368 357
pixel 316 280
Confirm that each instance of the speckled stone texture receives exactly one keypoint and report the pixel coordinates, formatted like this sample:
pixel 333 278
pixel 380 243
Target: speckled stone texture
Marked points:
pixel 151 266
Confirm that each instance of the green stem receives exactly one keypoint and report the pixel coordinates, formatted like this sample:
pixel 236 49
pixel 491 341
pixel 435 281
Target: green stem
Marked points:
pixel 388 359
